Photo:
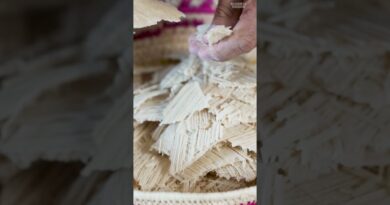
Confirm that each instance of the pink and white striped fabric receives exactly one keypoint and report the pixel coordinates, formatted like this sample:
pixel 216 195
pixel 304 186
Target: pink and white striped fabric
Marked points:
pixel 196 14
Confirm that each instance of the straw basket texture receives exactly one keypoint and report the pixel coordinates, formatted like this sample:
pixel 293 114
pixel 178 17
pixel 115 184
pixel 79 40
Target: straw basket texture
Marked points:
pixel 237 197
pixel 171 43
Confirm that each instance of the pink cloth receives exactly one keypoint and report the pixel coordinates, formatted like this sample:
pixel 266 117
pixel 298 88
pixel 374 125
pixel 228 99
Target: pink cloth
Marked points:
pixel 206 7
pixel 157 31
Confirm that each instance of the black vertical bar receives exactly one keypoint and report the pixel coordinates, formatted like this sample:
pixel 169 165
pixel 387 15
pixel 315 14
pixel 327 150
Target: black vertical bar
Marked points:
pixel 258 106
pixel 132 97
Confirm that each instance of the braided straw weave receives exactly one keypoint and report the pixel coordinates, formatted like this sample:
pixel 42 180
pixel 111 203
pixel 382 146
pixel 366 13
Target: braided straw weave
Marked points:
pixel 171 43
pixel 237 197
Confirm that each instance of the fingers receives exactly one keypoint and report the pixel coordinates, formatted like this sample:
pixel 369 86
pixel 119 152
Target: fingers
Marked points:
pixel 226 14
pixel 235 45
pixel 244 37
pixel 195 45
pixel 242 40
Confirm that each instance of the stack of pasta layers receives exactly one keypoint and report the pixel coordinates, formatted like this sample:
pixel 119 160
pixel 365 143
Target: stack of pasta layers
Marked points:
pixel 195 126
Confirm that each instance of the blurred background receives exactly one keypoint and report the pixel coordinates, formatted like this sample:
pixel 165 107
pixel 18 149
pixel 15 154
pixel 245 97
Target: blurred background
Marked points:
pixel 65 84
pixel 324 92
pixel 65 99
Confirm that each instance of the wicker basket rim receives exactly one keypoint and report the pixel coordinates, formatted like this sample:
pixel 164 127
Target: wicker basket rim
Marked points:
pixel 142 195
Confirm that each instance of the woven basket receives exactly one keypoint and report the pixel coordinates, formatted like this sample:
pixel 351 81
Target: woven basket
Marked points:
pixel 172 43
pixel 246 196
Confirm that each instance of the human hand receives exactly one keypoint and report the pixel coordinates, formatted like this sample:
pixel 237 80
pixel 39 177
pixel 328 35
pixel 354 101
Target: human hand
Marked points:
pixel 243 38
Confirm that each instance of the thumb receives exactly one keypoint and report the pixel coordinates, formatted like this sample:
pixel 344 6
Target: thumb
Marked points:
pixel 226 14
